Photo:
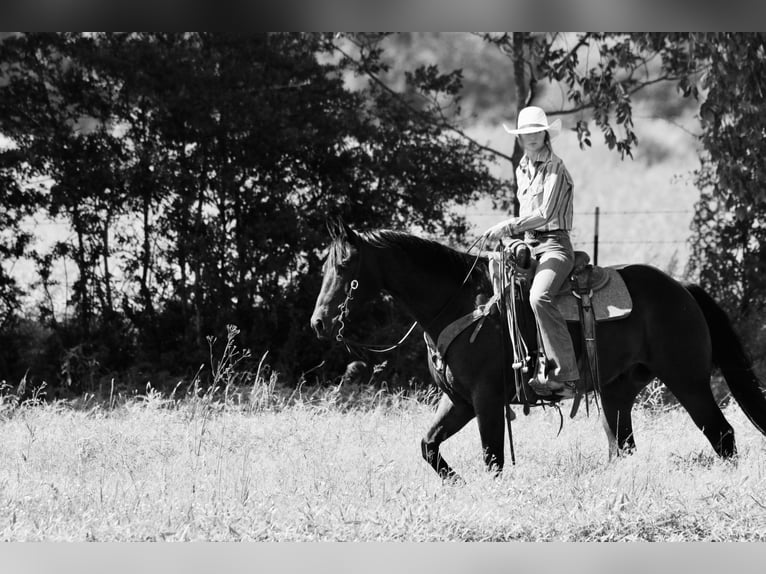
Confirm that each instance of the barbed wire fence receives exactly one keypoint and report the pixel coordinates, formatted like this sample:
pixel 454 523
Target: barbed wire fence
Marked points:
pixel 590 229
pixel 597 240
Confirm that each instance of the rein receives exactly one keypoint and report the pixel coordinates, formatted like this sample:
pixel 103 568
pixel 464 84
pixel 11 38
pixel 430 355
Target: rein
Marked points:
pixel 343 313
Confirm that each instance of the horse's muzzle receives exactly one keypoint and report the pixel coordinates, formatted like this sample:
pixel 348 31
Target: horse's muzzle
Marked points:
pixel 319 327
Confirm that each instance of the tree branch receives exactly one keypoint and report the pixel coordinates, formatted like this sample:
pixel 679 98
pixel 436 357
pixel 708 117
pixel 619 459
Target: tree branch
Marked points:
pixel 443 124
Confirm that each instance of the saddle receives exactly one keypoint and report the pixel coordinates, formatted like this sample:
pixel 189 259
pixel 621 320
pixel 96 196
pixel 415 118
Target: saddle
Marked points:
pixel 605 286
pixel 593 294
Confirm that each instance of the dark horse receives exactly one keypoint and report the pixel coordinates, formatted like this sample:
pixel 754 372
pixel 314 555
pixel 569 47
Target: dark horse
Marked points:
pixel 675 333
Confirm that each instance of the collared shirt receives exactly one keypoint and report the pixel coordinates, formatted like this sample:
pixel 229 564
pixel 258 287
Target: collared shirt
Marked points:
pixel 545 193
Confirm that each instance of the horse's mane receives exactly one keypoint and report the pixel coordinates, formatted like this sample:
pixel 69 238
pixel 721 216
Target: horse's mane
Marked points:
pixel 429 254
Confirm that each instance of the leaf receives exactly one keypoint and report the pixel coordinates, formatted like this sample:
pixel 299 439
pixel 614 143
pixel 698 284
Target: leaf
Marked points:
pixel 741 213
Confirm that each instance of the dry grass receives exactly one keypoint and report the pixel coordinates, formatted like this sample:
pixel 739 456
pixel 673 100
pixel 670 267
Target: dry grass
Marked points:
pixel 343 465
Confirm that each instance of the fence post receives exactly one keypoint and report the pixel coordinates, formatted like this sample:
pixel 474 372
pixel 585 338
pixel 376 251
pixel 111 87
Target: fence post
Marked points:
pixel 595 239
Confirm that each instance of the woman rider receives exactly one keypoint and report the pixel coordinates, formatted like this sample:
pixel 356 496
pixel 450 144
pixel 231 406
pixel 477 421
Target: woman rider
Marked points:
pixel 545 217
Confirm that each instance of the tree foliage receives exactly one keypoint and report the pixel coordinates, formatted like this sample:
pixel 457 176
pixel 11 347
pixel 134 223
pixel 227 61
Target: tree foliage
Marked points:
pixel 730 251
pixel 723 74
pixel 196 172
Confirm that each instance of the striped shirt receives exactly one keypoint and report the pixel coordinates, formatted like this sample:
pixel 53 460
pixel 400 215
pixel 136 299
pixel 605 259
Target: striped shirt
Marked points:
pixel 545 192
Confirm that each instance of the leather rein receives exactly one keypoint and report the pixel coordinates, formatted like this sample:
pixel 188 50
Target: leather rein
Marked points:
pixel 343 313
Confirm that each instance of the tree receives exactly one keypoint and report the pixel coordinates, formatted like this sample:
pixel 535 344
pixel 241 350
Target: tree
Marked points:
pixel 730 248
pixel 16 203
pixel 197 170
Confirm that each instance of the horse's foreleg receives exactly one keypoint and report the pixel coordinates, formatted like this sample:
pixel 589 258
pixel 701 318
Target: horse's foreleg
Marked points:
pixel 450 418
pixel 617 400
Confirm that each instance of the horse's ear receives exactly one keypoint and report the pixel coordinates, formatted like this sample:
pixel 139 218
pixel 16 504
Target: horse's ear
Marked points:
pixel 348 233
pixel 339 229
pixel 332 227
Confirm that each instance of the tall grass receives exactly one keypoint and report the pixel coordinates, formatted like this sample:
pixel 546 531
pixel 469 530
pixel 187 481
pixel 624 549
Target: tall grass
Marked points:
pixel 332 465
pixel 245 459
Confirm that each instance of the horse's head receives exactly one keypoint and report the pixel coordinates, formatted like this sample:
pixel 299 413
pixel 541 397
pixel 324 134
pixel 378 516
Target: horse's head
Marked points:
pixel 341 281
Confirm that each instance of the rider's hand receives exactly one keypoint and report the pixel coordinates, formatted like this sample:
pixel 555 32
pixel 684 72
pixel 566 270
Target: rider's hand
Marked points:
pixel 498 231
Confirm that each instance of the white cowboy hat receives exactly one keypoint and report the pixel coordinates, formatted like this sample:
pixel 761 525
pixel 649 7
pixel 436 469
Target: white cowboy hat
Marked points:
pixel 533 119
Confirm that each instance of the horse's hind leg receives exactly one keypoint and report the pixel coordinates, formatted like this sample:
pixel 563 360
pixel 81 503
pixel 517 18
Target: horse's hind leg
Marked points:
pixel 697 398
pixel 617 400
pixel 450 418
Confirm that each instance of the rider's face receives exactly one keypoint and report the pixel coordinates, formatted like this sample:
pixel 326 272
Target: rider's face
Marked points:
pixel 533 142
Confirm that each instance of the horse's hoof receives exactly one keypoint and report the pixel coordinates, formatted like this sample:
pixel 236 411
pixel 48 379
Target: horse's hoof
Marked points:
pixel 453 479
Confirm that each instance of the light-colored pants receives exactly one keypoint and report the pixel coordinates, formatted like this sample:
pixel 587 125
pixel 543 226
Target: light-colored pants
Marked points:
pixel 556 259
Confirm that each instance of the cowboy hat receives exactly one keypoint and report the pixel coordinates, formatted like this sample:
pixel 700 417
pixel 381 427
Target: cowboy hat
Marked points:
pixel 533 119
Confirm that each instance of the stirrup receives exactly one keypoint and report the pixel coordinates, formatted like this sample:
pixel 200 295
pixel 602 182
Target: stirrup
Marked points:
pixel 563 390
pixel 568 389
pixel 540 387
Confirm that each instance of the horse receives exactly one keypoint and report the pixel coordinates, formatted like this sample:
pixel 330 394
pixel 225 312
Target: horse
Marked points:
pixel 676 333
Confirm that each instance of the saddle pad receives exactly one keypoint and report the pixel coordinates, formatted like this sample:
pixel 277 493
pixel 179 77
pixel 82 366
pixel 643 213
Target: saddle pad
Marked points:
pixel 611 301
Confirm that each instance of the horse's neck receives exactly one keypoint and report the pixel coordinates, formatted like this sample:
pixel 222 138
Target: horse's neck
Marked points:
pixel 431 298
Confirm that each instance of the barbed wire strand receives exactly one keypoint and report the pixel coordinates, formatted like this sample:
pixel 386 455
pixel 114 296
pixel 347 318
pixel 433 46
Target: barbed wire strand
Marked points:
pixel 500 213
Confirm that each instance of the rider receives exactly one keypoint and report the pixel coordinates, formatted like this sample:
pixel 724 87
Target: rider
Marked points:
pixel 545 216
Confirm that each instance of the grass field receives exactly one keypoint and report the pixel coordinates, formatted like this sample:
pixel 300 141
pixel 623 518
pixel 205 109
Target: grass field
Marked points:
pixel 344 465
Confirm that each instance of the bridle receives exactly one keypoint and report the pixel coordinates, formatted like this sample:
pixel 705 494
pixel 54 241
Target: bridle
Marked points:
pixel 343 311
pixel 354 346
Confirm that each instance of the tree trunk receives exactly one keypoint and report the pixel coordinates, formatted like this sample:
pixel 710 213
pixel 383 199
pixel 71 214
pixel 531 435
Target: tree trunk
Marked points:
pixel 108 303
pixel 524 95
pixel 146 256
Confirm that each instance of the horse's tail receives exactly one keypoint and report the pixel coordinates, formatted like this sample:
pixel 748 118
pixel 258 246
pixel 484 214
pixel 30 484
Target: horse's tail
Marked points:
pixel 730 356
